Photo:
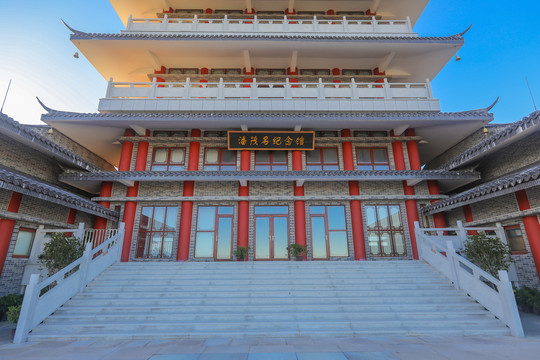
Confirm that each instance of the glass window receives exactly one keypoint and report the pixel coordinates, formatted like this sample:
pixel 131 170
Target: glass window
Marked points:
pixel 385 230
pixel 515 238
pixel 372 159
pixel 322 159
pixel 23 244
pixel 157 230
pixel 328 232
pixel 168 159
pixel 270 160
pixel 214 232
pixel 219 159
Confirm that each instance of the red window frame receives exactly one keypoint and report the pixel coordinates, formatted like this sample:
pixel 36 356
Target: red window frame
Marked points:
pixel 323 165
pixel 168 164
pixel 391 230
pixel 220 164
pixel 33 231
pixel 143 251
pixel 215 231
pixel 271 162
pixel 372 164
pixel 511 227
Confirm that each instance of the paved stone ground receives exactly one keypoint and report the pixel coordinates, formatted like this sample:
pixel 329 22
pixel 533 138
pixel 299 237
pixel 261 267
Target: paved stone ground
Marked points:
pixel 307 348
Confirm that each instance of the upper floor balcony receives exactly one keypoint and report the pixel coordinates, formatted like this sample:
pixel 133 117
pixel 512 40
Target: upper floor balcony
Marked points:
pixel 268 96
pixel 366 25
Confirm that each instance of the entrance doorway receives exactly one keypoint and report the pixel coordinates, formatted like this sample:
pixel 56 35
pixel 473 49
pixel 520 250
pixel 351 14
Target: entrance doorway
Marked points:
pixel 328 232
pixel 214 232
pixel 271 233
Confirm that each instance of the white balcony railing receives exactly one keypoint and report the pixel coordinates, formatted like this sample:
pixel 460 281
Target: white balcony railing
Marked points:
pixel 276 25
pixel 255 90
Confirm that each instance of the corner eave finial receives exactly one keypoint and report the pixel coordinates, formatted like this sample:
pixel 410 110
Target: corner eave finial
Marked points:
pixel 461 34
pixel 48 109
pixel 493 105
pixel 75 32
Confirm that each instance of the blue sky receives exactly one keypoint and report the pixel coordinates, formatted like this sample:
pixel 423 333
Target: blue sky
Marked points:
pixel 501 49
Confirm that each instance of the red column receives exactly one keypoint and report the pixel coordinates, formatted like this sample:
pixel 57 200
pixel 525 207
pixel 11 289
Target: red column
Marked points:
pixel 356 206
pixel 532 227
pixel 106 191
pixel 243 206
pixel 130 207
pixel 467 211
pixel 438 218
pixel 186 216
pixel 71 216
pixel 7 226
pixel 410 205
pixel 299 205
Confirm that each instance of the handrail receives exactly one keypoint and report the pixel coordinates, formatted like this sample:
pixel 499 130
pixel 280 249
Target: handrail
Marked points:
pixel 270 24
pixel 275 90
pixel 496 295
pixel 71 280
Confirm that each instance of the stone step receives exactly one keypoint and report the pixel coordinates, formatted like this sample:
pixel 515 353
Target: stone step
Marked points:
pixel 90 309
pixel 176 334
pixel 281 299
pixel 283 316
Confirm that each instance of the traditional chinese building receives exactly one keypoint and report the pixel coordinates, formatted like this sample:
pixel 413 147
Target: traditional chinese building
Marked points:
pixel 262 124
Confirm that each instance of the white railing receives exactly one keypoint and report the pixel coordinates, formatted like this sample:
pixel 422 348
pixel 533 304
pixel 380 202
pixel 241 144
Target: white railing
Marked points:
pixel 281 24
pixel 496 295
pixel 267 90
pixel 69 281
pixel 97 236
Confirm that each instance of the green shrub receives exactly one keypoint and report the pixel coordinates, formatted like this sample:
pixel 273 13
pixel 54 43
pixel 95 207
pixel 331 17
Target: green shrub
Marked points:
pixel 13 314
pixel 241 253
pixel 488 253
pixel 528 299
pixel 297 250
pixel 60 251
pixel 9 300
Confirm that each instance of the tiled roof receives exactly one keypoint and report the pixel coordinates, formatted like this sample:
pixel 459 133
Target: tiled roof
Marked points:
pixel 372 175
pixel 10 126
pixel 500 137
pixel 502 186
pixel 80 35
pixel 413 115
pixel 24 184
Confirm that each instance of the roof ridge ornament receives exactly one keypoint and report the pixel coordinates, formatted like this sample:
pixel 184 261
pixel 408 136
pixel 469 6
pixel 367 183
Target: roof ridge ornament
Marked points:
pixel 48 109
pixel 74 31
pixel 461 34
pixel 482 110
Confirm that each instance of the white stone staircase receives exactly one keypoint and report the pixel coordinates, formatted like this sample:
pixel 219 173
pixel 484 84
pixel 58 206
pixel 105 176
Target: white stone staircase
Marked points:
pixel 270 299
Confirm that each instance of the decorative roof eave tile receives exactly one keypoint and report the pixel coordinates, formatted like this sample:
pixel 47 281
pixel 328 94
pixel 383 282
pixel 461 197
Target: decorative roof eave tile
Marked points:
pixel 398 115
pixel 508 184
pixel 531 121
pixel 80 35
pixel 334 175
pixel 11 127
pixel 14 181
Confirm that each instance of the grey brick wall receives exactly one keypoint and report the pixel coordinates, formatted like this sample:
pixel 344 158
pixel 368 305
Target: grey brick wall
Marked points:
pixel 68 144
pixel 28 161
pixel 534 196
pixel 5 198
pixel 462 146
pixel 12 273
pixel 511 158
pixel 43 209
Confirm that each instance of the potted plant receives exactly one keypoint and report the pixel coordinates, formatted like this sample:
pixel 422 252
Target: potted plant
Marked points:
pixel 298 251
pixel 7 301
pixel 241 253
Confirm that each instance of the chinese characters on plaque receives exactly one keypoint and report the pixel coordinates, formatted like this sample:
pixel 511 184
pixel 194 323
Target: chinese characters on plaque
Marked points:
pixel 271 140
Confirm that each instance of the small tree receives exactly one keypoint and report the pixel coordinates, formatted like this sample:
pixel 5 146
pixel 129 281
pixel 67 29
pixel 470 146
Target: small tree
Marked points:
pixel 488 253
pixel 60 251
